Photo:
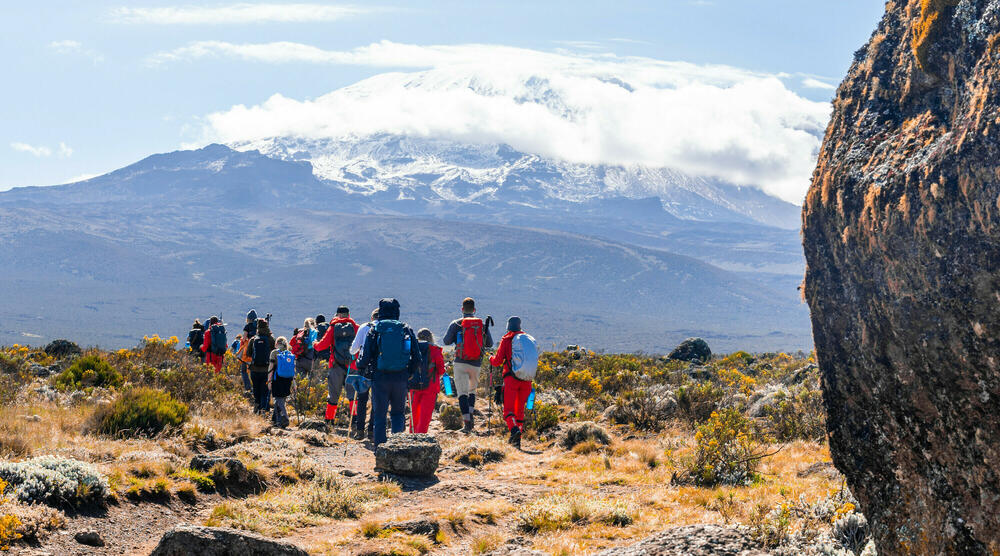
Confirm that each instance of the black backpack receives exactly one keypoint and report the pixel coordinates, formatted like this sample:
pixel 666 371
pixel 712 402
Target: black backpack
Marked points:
pixel 343 337
pixel 195 338
pixel 260 351
pixel 422 378
pixel 219 342
pixel 321 329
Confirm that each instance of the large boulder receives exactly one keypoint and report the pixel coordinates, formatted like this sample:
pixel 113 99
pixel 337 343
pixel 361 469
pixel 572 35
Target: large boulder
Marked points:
pixel 189 540
pixel 411 455
pixel 900 230
pixel 62 348
pixel 692 349
pixel 693 540
pixel 229 474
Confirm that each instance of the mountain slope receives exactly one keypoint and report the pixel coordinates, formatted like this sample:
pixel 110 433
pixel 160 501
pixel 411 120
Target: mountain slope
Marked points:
pixel 183 235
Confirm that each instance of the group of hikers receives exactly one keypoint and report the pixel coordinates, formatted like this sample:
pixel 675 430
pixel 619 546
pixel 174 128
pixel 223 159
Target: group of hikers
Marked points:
pixel 382 360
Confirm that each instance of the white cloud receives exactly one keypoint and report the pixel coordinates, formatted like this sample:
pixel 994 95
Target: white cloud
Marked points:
pixel 716 121
pixel 813 83
pixel 76 48
pixel 241 13
pixel 64 150
pixel 38 151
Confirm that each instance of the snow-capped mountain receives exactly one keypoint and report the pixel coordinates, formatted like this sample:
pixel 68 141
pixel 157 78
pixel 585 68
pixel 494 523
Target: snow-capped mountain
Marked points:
pixel 446 171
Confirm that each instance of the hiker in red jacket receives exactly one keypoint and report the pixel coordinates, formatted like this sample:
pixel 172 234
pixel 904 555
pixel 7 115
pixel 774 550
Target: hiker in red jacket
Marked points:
pixel 515 390
pixel 211 358
pixel 338 339
pixel 423 400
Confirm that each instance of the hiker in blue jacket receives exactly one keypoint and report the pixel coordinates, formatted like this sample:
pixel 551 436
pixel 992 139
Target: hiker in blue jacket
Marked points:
pixel 389 356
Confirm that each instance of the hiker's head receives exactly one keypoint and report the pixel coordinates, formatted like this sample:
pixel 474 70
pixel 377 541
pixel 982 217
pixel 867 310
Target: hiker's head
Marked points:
pixel 425 335
pixel 251 316
pixel 388 309
pixel 281 343
pixel 197 324
pixel 343 311
pixel 263 329
pixel 469 306
pixel 375 315
pixel 309 323
pixel 213 320
pixel 514 324
pixel 320 319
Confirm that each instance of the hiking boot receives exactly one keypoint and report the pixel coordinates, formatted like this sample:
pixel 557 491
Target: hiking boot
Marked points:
pixel 515 438
pixel 468 427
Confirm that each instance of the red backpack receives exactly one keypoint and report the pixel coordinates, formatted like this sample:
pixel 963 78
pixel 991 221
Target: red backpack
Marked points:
pixel 297 344
pixel 470 343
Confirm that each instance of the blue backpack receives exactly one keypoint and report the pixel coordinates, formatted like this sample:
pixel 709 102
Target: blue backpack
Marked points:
pixel 285 367
pixel 393 346
pixel 219 342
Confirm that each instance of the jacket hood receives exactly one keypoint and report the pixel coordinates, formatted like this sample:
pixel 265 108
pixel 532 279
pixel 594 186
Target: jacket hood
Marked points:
pixel 252 315
pixel 514 324
pixel 342 319
pixel 388 309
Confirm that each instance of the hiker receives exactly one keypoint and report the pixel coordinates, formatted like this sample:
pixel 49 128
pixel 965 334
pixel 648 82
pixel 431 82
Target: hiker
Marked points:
pixel 359 398
pixel 321 356
pixel 281 371
pixel 261 347
pixel 518 356
pixel 337 342
pixel 422 401
pixel 195 338
pixel 243 355
pixel 250 328
pixel 214 345
pixel 301 346
pixel 471 337
pixel 389 356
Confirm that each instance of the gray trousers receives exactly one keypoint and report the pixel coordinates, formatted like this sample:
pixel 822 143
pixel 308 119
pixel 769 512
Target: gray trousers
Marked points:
pixel 335 376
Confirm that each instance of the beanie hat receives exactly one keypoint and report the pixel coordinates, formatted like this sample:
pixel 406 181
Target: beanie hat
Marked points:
pixel 343 310
pixel 251 316
pixel 320 319
pixel 514 324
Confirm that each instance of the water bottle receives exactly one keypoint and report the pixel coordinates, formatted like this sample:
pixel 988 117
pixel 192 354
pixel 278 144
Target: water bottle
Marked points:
pixel 447 386
pixel 406 345
pixel 530 404
pixel 187 345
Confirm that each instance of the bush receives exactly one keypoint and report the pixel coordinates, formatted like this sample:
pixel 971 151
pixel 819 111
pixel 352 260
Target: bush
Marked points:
pixel 851 530
pixel 644 409
pixel 546 417
pixel 560 511
pixel 584 432
pixel 728 451
pixel 89 371
pixel 62 348
pixel 54 480
pixel 798 414
pixel 479 452
pixel 450 417
pixel 697 402
pixel 188 381
pixel 141 411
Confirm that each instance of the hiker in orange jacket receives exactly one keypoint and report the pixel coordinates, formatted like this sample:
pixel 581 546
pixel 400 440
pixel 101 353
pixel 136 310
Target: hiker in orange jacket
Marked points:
pixel 338 339
pixel 423 400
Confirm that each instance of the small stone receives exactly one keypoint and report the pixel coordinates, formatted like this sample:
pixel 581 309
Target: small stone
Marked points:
pixel 89 537
pixel 425 527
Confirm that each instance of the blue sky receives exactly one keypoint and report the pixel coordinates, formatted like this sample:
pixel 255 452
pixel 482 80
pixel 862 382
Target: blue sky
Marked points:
pixel 92 86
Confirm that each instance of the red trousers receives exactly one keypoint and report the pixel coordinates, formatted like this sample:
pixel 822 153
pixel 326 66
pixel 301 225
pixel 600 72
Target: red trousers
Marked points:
pixel 214 360
pixel 423 406
pixel 515 395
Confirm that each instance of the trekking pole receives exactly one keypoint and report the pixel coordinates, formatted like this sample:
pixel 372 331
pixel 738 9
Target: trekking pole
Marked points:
pixel 489 420
pixel 409 394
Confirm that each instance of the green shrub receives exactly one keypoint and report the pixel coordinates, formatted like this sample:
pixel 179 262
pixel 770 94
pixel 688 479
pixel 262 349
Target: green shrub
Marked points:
pixel 697 402
pixel 54 480
pixel 729 450
pixel 546 417
pixel 188 381
pixel 450 417
pixel 584 432
pixel 797 414
pixel 86 372
pixel 141 411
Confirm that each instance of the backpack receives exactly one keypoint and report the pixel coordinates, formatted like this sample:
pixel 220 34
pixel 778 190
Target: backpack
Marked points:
pixel 285 366
pixel 524 356
pixel 393 346
pixel 297 343
pixel 422 379
pixel 260 351
pixel 470 339
pixel 219 342
pixel 321 329
pixel 195 338
pixel 343 337
pixel 244 353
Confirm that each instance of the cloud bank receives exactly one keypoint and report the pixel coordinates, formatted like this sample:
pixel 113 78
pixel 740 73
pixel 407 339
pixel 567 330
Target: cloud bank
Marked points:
pixel 236 14
pixel 745 127
pixel 40 151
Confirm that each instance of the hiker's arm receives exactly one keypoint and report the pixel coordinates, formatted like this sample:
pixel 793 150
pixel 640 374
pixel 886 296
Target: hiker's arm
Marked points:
pixel 416 359
pixel 452 334
pixel 359 341
pixel 367 353
pixel 325 342
pixel 500 357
